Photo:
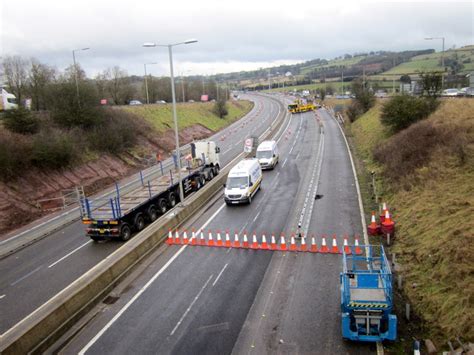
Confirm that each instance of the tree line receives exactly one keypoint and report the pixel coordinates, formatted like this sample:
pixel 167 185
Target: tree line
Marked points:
pixel 40 82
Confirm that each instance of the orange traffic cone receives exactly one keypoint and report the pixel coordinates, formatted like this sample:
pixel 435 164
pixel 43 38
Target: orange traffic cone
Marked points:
pixel 373 228
pixel 347 249
pixel 303 246
pixel 324 247
pixel 185 237
pixel 236 243
pixel 382 215
pixel 334 249
pixel 357 248
pixel 219 240
pixel 202 241
pixel 210 242
pixel 314 247
pixel 227 240
pixel 273 245
pixel 254 242
pixel 176 237
pixel 264 244
pixel 170 241
pixel 193 240
pixel 282 243
pixel 292 243
pixel 245 243
pixel 388 226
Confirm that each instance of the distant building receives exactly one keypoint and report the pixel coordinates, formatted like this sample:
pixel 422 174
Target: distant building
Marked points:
pixel 288 73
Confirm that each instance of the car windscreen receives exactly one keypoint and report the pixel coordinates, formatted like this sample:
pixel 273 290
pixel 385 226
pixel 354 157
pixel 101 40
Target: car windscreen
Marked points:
pixel 237 182
pixel 264 154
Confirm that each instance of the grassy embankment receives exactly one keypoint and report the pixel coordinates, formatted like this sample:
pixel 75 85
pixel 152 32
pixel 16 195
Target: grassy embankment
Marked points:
pixel 428 181
pixel 189 114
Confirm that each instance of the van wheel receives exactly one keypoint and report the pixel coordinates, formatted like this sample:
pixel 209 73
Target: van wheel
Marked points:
pixel 250 200
pixel 152 213
pixel 162 206
pixel 139 222
pixel 125 232
pixel 172 200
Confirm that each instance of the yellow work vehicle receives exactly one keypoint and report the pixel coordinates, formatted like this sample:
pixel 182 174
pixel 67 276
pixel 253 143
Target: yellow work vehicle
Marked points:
pixel 300 106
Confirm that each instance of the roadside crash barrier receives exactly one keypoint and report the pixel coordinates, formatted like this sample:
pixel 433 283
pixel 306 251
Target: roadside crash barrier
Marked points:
pixel 260 243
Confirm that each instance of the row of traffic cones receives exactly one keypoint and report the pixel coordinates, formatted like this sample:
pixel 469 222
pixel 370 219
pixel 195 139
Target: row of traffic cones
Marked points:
pixel 183 239
pixel 386 226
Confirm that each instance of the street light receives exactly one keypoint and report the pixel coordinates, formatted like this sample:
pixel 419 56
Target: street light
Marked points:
pixel 442 56
pixel 175 116
pixel 75 72
pixel 146 83
pixel 182 82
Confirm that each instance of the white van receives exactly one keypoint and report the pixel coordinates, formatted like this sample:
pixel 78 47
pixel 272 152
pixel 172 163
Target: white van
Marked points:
pixel 267 154
pixel 243 182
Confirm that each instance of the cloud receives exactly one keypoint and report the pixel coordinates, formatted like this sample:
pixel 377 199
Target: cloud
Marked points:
pixel 233 35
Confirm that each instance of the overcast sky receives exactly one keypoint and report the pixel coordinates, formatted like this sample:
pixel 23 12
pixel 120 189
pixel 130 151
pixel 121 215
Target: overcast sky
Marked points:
pixel 233 34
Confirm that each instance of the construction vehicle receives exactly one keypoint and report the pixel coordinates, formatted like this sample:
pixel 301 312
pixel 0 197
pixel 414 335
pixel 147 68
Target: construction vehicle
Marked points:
pixel 366 295
pixel 301 106
pixel 126 212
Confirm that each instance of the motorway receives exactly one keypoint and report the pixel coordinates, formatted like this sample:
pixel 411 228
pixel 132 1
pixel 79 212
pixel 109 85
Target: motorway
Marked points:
pixel 34 274
pixel 202 300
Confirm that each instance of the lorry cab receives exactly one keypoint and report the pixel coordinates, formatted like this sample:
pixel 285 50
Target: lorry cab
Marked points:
pixel 243 182
pixel 267 154
pixel 7 101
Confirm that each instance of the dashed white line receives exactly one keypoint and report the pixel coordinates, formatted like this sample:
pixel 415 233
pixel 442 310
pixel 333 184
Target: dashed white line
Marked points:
pixel 69 254
pixel 190 306
pixel 27 275
pixel 2 296
pixel 218 276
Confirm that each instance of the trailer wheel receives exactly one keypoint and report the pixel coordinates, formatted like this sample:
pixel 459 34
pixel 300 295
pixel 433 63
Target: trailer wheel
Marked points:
pixel 125 232
pixel 198 183
pixel 162 205
pixel 152 213
pixel 203 180
pixel 216 169
pixel 172 200
pixel 139 222
pixel 211 174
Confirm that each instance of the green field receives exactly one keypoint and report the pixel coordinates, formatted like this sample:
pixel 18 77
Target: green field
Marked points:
pixel 336 85
pixel 189 114
pixel 333 62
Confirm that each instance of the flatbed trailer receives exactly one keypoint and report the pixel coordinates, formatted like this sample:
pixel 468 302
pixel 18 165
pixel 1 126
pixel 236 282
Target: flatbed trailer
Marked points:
pixel 366 295
pixel 127 212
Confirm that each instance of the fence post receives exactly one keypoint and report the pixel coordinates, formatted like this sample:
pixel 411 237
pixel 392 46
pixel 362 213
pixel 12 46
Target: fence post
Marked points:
pixel 141 177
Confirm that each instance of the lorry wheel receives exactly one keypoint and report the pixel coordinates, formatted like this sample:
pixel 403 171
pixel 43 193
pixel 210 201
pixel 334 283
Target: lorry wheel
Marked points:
pixel 211 174
pixel 203 180
pixel 139 222
pixel 125 232
pixel 152 213
pixel 96 239
pixel 162 206
pixel 216 169
pixel 198 183
pixel 172 200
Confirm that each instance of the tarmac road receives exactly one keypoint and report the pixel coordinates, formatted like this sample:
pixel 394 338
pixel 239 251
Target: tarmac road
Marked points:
pixel 202 300
pixel 31 276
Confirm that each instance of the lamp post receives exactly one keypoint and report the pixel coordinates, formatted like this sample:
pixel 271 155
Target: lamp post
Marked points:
pixel 442 57
pixel 75 72
pixel 182 83
pixel 146 83
pixel 175 117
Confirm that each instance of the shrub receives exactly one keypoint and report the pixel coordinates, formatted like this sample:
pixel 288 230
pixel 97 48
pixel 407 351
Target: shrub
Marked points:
pixel 21 121
pixel 15 151
pixel 354 111
pixel 220 109
pixel 118 132
pixel 53 149
pixel 403 110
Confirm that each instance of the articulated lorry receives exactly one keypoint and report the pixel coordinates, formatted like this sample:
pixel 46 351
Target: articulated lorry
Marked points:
pixel 366 295
pixel 124 213
pixel 7 101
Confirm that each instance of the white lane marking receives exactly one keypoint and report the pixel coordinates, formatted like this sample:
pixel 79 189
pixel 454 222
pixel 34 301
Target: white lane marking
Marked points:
pixel 190 306
pixel 359 196
pixel 227 150
pixel 284 162
pixel 134 298
pixel 256 216
pixel 129 303
pixel 2 296
pixel 69 254
pixel 218 276
pixel 27 275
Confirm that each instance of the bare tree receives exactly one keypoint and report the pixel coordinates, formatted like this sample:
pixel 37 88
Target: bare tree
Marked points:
pixel 40 76
pixel 15 71
pixel 119 86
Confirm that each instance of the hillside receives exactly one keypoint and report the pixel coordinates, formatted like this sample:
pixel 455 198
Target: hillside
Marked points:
pixel 426 175
pixel 93 166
